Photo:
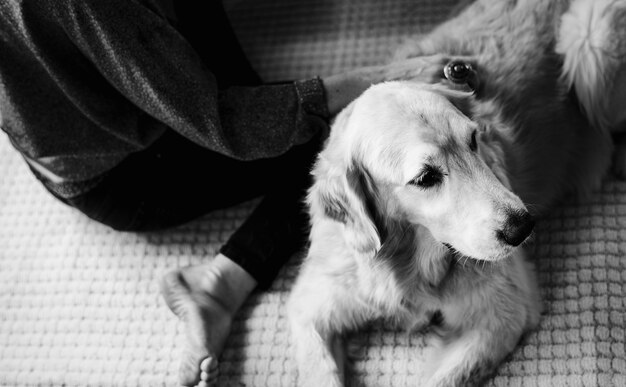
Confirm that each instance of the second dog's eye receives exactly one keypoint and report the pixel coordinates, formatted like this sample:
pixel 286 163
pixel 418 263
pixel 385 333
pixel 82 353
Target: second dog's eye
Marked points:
pixel 430 177
pixel 457 71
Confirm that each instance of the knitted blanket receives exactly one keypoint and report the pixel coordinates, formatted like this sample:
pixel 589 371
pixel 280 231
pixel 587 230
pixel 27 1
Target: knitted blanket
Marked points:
pixel 79 303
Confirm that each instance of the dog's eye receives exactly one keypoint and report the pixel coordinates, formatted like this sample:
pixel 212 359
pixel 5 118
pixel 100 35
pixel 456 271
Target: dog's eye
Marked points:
pixel 457 71
pixel 473 142
pixel 430 177
pixel 461 73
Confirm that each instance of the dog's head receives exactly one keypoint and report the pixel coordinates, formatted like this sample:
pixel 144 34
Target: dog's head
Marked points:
pixel 405 152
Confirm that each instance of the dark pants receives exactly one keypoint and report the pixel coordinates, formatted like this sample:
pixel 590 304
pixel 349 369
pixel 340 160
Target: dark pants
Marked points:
pixel 175 180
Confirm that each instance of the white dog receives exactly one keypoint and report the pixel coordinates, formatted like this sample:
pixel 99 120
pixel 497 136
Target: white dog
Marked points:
pixel 400 202
pixel 422 194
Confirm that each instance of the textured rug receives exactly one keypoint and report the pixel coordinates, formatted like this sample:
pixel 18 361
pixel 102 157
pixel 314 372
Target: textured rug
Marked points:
pixel 79 303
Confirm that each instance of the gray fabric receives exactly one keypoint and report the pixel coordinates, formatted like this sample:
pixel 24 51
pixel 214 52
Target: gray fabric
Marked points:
pixel 84 83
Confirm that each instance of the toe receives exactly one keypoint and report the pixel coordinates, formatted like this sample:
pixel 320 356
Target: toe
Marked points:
pixel 208 364
pixel 209 371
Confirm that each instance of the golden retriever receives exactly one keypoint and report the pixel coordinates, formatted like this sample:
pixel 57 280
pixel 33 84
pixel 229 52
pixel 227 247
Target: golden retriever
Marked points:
pixel 402 200
pixel 423 194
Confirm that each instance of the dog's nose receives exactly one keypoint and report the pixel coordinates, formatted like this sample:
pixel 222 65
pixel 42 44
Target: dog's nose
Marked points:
pixel 518 226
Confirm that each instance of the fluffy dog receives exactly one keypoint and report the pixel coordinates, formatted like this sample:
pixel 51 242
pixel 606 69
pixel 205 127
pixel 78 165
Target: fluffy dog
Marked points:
pixel 401 200
pixel 423 193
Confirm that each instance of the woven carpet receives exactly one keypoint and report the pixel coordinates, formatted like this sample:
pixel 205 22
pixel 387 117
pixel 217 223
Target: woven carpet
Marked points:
pixel 79 303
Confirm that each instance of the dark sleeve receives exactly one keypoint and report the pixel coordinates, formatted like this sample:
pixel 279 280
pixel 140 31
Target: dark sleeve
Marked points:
pixel 151 64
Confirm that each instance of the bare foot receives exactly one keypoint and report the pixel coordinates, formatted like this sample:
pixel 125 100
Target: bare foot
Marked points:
pixel 205 298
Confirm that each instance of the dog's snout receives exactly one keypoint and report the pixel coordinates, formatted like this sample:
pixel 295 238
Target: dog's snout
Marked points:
pixel 518 226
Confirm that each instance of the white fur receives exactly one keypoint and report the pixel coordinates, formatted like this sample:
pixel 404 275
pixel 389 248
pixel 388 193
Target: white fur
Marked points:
pixel 590 42
pixel 353 275
pixel 377 242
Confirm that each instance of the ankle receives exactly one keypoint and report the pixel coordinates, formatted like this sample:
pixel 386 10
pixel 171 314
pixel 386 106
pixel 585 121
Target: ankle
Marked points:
pixel 227 282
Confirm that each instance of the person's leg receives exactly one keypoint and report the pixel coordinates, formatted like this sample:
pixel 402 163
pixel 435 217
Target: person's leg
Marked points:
pixel 206 297
pixel 176 181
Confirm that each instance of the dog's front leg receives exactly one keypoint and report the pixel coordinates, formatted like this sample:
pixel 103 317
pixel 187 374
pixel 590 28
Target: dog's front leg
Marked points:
pixel 468 359
pixel 319 355
pixel 318 312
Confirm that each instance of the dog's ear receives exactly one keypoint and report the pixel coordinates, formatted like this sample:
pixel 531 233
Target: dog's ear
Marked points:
pixel 349 197
pixel 461 99
pixel 344 191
